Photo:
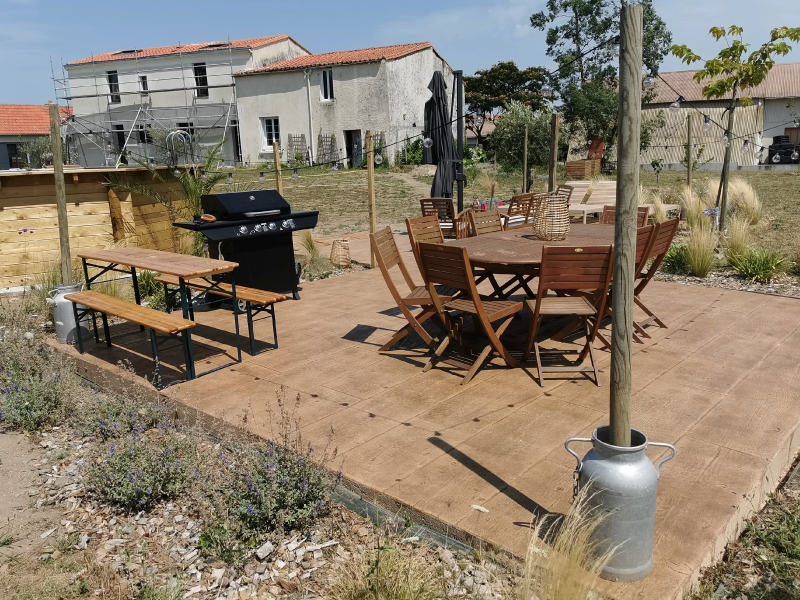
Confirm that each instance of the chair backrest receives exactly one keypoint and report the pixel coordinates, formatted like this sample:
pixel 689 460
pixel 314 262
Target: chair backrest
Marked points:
pixel 662 240
pixel 572 268
pixel 442 208
pixel 644 238
pixel 565 190
pixel 387 255
pixel 518 214
pixel 463 224
pixel 423 229
pixel 485 221
pixel 609 216
pixel 448 265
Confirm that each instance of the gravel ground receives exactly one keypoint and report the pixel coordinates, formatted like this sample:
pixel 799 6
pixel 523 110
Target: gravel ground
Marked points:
pixel 787 285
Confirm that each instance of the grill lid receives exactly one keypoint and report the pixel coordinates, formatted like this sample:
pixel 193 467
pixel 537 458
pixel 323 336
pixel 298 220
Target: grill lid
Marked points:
pixel 242 205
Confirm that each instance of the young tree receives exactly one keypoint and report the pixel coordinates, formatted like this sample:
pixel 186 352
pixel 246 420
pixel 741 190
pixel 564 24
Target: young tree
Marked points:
pixel 488 90
pixel 509 135
pixel 733 71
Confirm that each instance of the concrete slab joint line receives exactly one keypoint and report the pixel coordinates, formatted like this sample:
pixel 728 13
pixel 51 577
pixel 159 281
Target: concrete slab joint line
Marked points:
pixel 721 383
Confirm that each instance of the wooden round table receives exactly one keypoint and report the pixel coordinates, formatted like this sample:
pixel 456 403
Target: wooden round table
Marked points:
pixel 521 247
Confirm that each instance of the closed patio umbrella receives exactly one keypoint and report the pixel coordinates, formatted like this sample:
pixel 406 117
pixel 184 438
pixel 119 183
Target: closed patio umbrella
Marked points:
pixel 438 128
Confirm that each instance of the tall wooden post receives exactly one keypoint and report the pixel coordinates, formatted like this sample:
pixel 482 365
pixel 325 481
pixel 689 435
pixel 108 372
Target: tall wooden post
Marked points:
pixel 115 212
pixel 525 161
pixel 278 177
pixel 689 149
pixel 629 122
pixel 551 182
pixel 371 189
pixel 61 194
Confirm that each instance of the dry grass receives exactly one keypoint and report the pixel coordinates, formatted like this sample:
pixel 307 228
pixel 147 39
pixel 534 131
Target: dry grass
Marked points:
pixel 700 249
pixel 743 200
pixel 659 212
pixel 569 567
pixel 487 181
pixel 692 205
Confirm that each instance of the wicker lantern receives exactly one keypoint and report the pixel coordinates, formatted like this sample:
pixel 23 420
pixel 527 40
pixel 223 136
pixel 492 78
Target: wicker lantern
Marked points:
pixel 552 218
pixel 340 253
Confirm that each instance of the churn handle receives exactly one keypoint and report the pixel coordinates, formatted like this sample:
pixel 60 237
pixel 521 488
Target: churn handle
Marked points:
pixel 571 451
pixel 663 460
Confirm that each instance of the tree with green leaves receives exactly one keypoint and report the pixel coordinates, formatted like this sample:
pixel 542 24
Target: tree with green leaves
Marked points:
pixel 487 92
pixel 509 135
pixel 579 34
pixel 733 71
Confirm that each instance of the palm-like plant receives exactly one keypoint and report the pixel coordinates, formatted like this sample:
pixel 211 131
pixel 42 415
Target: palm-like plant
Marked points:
pixel 183 191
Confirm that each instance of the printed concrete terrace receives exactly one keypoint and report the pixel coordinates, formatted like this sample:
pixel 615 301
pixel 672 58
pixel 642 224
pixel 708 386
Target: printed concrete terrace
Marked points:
pixel 721 384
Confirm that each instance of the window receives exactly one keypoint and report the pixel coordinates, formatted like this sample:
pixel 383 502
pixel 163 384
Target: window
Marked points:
pixel 270 133
pixel 143 87
pixel 15 158
pixel 144 134
pixel 200 80
pixel 113 87
pixel 326 85
pixel 187 127
pixel 119 135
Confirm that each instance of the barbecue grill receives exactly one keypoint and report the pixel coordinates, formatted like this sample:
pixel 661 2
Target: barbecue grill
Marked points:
pixel 255 229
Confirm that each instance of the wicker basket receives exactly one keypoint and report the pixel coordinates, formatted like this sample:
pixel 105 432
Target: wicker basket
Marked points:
pixel 552 218
pixel 340 253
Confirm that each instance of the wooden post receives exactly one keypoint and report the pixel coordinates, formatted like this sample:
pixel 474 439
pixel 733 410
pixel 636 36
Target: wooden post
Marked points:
pixel 115 211
pixel 278 177
pixel 371 189
pixel 61 194
pixel 551 182
pixel 525 160
pixel 689 149
pixel 629 123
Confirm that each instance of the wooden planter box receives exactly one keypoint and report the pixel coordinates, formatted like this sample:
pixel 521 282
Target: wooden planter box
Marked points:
pixel 587 168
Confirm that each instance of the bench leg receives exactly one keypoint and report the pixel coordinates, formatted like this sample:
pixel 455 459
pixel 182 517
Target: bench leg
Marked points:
pixel 88 287
pixel 274 326
pixel 167 299
pixel 250 329
pixel 154 345
pixel 78 328
pixel 136 294
pixel 106 331
pixel 188 355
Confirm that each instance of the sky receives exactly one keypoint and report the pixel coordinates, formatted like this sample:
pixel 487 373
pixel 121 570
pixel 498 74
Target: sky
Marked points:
pixel 470 35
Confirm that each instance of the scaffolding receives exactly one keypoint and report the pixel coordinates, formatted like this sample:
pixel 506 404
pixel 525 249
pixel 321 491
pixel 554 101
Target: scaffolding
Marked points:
pixel 128 129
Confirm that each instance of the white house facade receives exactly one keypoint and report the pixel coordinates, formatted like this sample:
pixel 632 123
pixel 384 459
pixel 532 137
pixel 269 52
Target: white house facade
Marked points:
pixel 118 97
pixel 338 96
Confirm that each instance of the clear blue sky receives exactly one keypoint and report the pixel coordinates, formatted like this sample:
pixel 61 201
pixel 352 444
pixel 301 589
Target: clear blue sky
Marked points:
pixel 469 34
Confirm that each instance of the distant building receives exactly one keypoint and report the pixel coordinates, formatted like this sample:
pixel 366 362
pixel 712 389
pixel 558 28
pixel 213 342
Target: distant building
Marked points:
pixel 334 97
pixel 119 96
pixel 20 123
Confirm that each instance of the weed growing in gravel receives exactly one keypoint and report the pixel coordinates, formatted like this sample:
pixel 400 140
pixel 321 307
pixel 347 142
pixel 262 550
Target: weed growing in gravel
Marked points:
pixel 676 260
pixel 139 471
pixel 758 265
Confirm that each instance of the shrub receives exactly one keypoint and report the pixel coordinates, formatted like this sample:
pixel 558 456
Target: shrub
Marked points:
pixel 411 154
pixel 118 417
pixel 738 238
pixel 743 200
pixel 140 471
pixel 509 136
pixel 758 265
pixel 700 251
pixel 676 260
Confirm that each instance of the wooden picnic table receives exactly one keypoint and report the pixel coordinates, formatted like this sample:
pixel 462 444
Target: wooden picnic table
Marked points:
pixel 182 266
pixel 522 247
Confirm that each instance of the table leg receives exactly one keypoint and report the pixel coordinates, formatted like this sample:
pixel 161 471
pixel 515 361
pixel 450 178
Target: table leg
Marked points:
pixel 186 332
pixel 236 316
pixel 88 283
pixel 136 294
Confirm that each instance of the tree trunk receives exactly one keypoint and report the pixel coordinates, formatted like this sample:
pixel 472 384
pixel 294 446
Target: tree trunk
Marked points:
pixel 726 167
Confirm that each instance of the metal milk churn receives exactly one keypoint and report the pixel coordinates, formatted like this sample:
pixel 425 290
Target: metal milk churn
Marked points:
pixel 63 315
pixel 622 483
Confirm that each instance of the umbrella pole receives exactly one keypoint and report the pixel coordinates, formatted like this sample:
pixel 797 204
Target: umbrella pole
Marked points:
pixel 459 83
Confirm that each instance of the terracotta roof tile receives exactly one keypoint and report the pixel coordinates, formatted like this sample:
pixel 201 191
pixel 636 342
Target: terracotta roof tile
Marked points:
pixel 27 119
pixel 184 49
pixel 783 81
pixel 345 57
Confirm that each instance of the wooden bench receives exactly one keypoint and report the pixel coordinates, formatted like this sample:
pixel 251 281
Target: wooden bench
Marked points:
pixel 256 301
pixel 154 320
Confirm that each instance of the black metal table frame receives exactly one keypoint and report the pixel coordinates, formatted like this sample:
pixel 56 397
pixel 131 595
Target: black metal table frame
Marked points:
pixel 186 310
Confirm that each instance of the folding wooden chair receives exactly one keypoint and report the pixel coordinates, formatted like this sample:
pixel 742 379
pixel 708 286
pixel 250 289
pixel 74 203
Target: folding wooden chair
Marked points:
pixel 423 229
pixel 519 212
pixel 565 268
pixel 645 237
pixel 463 224
pixel 387 255
pixel 485 221
pixel 662 240
pixel 450 266
pixel 443 209
pixel 609 216
pixel 565 190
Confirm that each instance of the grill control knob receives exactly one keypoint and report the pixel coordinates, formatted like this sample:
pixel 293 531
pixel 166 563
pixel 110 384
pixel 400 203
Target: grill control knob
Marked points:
pixel 285 225
pixel 273 225
pixel 258 228
pixel 242 229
